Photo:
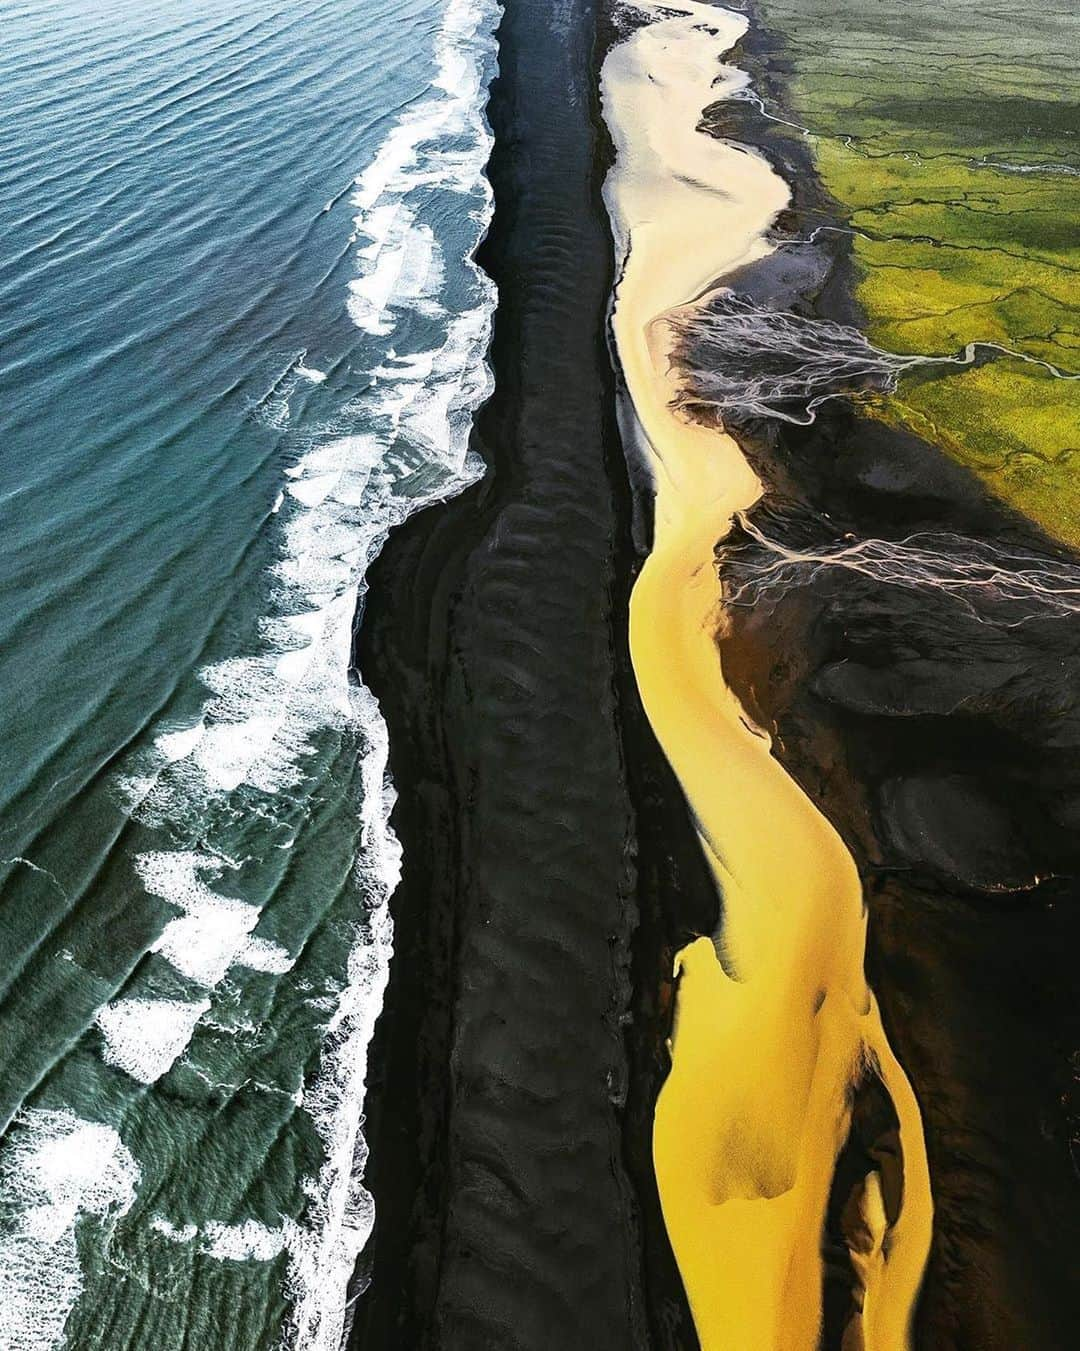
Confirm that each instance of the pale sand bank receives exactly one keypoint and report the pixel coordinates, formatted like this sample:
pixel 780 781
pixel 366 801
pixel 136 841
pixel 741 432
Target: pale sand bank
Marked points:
pixel 773 1033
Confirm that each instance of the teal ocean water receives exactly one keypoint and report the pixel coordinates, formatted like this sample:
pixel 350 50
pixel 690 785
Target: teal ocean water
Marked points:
pixel 241 339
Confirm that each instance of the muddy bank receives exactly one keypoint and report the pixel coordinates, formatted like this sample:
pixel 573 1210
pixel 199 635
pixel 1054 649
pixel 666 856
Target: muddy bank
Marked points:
pixel 940 737
pixel 550 870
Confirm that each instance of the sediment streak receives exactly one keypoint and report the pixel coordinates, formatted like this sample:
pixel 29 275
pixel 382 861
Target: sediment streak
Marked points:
pixel 775 1024
pixel 993 584
pixel 746 360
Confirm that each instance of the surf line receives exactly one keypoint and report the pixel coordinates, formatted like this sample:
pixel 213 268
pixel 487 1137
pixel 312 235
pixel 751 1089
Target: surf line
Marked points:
pixel 776 1029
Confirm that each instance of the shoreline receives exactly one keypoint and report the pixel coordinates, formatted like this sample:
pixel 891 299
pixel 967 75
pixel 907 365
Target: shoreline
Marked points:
pixel 523 1019
pixel 418 651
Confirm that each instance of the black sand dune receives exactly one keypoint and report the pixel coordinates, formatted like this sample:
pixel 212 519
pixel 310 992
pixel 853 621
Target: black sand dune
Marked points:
pixel 521 1046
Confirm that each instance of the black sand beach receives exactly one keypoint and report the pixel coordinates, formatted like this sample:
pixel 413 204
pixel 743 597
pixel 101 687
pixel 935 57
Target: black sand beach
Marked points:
pixel 550 869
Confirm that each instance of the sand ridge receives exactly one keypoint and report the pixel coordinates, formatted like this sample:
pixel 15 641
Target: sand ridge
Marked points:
pixel 775 1022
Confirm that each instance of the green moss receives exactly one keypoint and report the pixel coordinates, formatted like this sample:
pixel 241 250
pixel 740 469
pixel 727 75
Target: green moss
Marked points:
pixel 913 112
pixel 1016 428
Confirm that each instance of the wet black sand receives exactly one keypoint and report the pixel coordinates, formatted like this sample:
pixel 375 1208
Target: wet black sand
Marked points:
pixel 944 746
pixel 550 870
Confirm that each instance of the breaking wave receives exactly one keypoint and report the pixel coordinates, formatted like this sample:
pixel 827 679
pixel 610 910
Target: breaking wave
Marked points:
pixel 286 720
pixel 269 710
pixel 58 1170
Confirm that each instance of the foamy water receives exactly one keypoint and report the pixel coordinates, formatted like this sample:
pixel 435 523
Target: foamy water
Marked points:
pixel 58 1170
pixel 283 729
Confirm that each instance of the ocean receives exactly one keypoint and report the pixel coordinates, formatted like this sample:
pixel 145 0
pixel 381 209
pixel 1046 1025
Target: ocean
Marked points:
pixel 242 338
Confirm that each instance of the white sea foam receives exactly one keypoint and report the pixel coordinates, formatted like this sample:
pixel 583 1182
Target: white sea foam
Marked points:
pixel 429 398
pixel 268 712
pixel 174 1233
pixel 176 745
pixel 274 412
pixel 55 1170
pixel 310 373
pixel 213 931
pixel 313 491
pixel 341 1212
pixel 261 954
pixel 145 1037
pixel 244 1242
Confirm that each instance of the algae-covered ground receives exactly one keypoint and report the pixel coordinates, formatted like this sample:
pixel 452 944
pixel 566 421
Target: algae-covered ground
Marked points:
pixel 949 135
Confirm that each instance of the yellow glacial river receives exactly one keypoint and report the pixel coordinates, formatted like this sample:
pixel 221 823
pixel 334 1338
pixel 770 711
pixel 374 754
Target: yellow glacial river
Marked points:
pixel 775 1023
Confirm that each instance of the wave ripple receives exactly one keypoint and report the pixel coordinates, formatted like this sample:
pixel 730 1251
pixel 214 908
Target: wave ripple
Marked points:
pixel 256 857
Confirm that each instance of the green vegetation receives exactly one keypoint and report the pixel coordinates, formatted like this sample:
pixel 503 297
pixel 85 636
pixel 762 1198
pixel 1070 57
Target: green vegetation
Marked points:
pixel 949 136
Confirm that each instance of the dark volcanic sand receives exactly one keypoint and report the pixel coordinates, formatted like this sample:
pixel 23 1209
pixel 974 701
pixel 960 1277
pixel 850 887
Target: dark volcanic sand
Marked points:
pixel 521 1046
pixel 946 749
pixel 510 1098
